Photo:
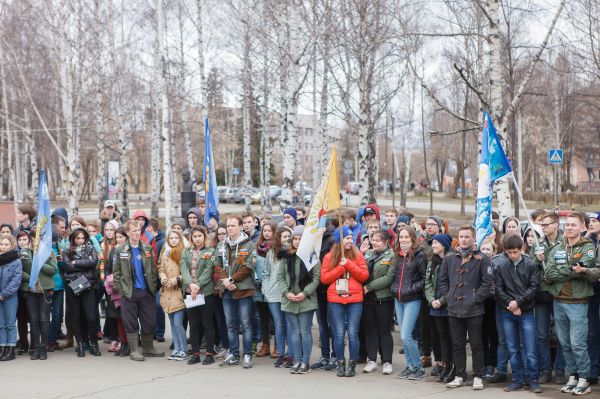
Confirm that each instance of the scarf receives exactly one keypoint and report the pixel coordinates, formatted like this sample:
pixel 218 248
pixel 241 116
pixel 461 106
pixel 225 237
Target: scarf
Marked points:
pixel 9 256
pixel 305 276
pixel 263 248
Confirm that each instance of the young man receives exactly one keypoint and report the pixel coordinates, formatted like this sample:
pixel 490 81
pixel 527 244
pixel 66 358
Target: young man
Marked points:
pixel 160 239
pixel 289 218
pixel 235 260
pixel 349 219
pixel 249 226
pixel 544 302
pixel 59 229
pixel 301 215
pixel 496 220
pixel 26 214
pixel 570 270
pixel 391 215
pixel 146 236
pixel 194 217
pixel 135 276
pixel 109 212
pixel 465 281
pixel 517 279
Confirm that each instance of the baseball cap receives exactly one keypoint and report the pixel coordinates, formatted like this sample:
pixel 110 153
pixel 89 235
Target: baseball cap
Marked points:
pixel 108 203
pixel 370 210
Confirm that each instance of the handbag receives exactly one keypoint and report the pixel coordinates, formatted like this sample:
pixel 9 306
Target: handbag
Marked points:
pixel 80 285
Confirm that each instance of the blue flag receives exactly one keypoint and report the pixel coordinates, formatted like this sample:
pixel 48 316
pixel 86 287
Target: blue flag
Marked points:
pixel 493 166
pixel 211 197
pixel 42 245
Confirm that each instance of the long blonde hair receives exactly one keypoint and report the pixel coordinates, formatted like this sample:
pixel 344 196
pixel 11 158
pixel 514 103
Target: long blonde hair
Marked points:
pixel 176 252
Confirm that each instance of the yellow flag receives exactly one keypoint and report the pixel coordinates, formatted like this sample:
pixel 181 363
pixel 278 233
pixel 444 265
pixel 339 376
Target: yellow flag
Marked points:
pixel 326 200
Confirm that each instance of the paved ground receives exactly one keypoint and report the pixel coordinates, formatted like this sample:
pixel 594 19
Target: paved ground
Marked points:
pixel 64 376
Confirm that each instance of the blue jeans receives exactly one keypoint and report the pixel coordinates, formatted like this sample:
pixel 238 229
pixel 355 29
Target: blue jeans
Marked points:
pixel 325 333
pixel 407 314
pixel 594 334
pixel 300 334
pixel 56 315
pixel 159 331
pixel 521 330
pixel 503 355
pixel 572 331
pixel 255 323
pixel 280 324
pixel 543 314
pixel 344 317
pixel 238 309
pixel 177 331
pixel 8 320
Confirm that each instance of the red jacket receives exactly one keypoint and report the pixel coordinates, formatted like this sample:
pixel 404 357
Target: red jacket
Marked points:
pixel 358 274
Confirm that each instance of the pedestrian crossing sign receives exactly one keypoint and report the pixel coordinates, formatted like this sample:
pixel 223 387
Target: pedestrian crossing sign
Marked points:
pixel 555 156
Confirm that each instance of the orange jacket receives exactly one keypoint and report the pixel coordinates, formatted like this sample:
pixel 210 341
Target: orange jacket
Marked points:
pixel 358 274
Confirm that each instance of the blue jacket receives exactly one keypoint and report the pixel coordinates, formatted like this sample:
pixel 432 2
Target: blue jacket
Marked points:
pixel 11 273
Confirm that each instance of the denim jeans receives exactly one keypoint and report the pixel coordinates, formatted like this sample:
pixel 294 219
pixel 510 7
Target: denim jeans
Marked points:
pixel 572 331
pixel 344 317
pixel 177 331
pixel 594 334
pixel 300 334
pixel 280 323
pixel 325 332
pixel 238 309
pixel 56 313
pixel 521 330
pixel 159 331
pixel 8 320
pixel 543 314
pixel 503 354
pixel 255 323
pixel 221 337
pixel 407 314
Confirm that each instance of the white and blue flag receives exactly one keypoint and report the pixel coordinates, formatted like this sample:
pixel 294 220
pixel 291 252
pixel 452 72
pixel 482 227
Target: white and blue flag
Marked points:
pixel 42 245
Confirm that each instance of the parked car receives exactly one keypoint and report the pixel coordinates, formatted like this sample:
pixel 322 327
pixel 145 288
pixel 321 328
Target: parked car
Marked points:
pixel 353 187
pixel 228 194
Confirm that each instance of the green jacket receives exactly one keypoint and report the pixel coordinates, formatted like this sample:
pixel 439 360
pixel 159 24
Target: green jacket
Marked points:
pixel 381 273
pixel 548 252
pixel 236 260
pixel 283 281
pixel 123 269
pixel 426 246
pixel 563 282
pixel 46 276
pixel 204 270
pixel 433 268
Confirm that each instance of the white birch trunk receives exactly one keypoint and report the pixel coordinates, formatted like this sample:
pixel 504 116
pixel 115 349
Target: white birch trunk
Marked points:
pixel 101 171
pixel 156 131
pixel 167 166
pixel 247 88
pixel 31 154
pixel 10 156
pixel 364 122
pixel 201 66
pixel 266 137
pixel 501 187
pixel 189 148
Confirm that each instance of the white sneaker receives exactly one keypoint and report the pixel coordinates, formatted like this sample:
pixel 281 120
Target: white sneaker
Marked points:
pixel 182 356
pixel 222 353
pixel 247 362
pixel 370 367
pixel 570 385
pixel 174 355
pixel 582 388
pixel 456 383
pixel 387 368
pixel 477 384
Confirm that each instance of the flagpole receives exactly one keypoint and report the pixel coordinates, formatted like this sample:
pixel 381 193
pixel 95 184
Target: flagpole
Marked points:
pixel 341 231
pixel 520 194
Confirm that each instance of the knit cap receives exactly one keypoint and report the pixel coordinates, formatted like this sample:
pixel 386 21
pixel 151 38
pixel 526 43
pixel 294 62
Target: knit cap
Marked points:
pixel 345 232
pixel 443 239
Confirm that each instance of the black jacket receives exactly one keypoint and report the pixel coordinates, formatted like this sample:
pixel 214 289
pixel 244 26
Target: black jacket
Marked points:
pixel 519 283
pixel 466 283
pixel 409 279
pixel 80 261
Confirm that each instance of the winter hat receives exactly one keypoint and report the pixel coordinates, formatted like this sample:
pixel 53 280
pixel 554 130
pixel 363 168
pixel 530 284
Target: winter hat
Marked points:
pixel 438 220
pixel 403 219
pixel 62 212
pixel 114 224
pixel 595 216
pixel 345 232
pixel 179 222
pixel 292 212
pixel 298 230
pixel 443 239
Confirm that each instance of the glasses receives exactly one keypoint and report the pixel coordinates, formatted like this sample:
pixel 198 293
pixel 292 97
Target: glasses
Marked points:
pixel 431 224
pixel 221 234
pixel 547 224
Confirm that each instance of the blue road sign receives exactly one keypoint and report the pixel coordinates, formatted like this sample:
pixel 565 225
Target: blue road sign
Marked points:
pixel 555 156
pixel 235 171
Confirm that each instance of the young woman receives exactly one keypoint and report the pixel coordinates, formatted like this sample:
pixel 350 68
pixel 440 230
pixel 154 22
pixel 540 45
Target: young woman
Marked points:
pixel 6 230
pixel 26 254
pixel 378 305
pixel 489 330
pixel 77 222
pixel 10 279
pixel 440 244
pixel 221 338
pixel 299 301
pixel 408 287
pixel 108 243
pixel 221 233
pixel 529 242
pixel 37 298
pixel 113 305
pixel 171 295
pixel 197 268
pixel 263 244
pixel 344 275
pixel 511 225
pixel 273 294
pixel 81 259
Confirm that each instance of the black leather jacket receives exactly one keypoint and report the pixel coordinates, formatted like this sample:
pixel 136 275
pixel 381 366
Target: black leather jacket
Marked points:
pixel 81 261
pixel 409 279
pixel 519 283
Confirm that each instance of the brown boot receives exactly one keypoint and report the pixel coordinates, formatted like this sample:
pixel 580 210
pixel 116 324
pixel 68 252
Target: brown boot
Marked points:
pixel 425 361
pixel 264 350
pixel 275 353
pixel 69 343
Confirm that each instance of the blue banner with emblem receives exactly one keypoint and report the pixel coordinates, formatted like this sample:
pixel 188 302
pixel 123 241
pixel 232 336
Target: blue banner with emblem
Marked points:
pixel 211 196
pixel 42 244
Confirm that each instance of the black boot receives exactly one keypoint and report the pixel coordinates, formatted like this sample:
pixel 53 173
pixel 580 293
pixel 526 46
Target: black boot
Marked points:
pixel 125 350
pixel 451 374
pixel 79 350
pixel 444 372
pixel 9 354
pixel 3 350
pixel 36 353
pixel 43 352
pixel 23 348
pixel 351 368
pixel 341 368
pixel 94 349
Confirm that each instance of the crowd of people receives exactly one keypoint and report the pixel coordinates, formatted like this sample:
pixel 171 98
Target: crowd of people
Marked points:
pixel 529 299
